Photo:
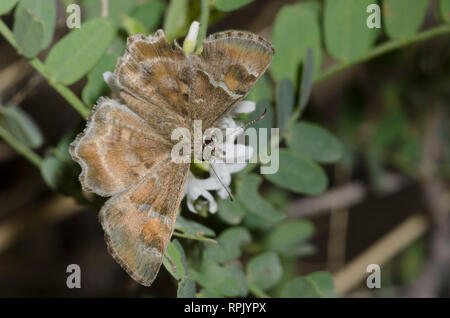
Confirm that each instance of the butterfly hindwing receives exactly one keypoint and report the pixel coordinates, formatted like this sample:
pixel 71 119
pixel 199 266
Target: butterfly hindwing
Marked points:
pixel 138 223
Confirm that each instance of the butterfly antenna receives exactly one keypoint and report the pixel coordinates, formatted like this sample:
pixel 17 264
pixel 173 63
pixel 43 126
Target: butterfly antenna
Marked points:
pixel 256 119
pixel 223 185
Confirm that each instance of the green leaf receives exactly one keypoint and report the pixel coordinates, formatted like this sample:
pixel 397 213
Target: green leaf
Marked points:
pixel 186 288
pixel 150 14
pixel 264 270
pixel 79 51
pixel 315 285
pixel 192 228
pixel 298 174
pixel 7 5
pixel 444 8
pixel 28 32
pixel 230 5
pixel 175 260
pixel 222 280
pixel 287 238
pixel 248 196
pixel 285 102
pixel 347 36
pixel 323 282
pixel 261 90
pixel 307 80
pixel 175 22
pixel 295 30
pixel 44 11
pixel 314 142
pixel 402 18
pixel 231 212
pixel 96 86
pixel 116 8
pixel 133 26
pixel 206 293
pixel 59 171
pixel 20 125
pixel 229 245
pixel 300 287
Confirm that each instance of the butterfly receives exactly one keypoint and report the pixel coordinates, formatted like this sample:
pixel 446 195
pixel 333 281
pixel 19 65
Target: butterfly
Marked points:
pixel 125 149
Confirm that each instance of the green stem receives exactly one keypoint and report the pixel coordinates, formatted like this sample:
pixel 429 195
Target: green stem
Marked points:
pixel 385 48
pixel 63 90
pixel 21 148
pixel 255 290
pixel 191 237
pixel 204 18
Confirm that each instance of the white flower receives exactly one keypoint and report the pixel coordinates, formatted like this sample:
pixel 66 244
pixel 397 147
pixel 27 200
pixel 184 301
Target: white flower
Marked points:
pixel 191 39
pixel 230 151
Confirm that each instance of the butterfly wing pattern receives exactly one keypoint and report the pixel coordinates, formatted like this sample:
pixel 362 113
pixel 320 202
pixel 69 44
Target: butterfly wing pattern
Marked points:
pixel 125 149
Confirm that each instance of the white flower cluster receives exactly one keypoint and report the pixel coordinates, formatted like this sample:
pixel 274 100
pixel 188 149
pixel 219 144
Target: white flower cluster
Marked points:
pixel 230 152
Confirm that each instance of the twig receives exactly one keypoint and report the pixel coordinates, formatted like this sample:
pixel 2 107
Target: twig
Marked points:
pixel 105 8
pixel 380 252
pixel 341 197
pixel 20 96
pixel 12 74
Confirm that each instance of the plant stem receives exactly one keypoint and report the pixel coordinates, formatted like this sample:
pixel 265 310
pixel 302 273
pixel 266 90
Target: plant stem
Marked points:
pixel 204 18
pixel 257 291
pixel 21 148
pixel 385 48
pixel 191 237
pixel 63 90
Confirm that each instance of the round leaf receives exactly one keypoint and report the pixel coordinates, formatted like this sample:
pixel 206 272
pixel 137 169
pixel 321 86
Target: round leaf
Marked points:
pixel 79 51
pixel 7 5
pixel 20 125
pixel 401 19
pixel 287 238
pixel 45 12
pixel 298 174
pixel 28 32
pixel 314 142
pixel 231 212
pixel 229 245
pixel 248 196
pixel 295 30
pixel 264 270
pixel 347 36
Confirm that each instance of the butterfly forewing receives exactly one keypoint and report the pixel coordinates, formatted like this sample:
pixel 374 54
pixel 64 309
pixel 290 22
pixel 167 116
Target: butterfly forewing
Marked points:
pixel 233 61
pixel 116 149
